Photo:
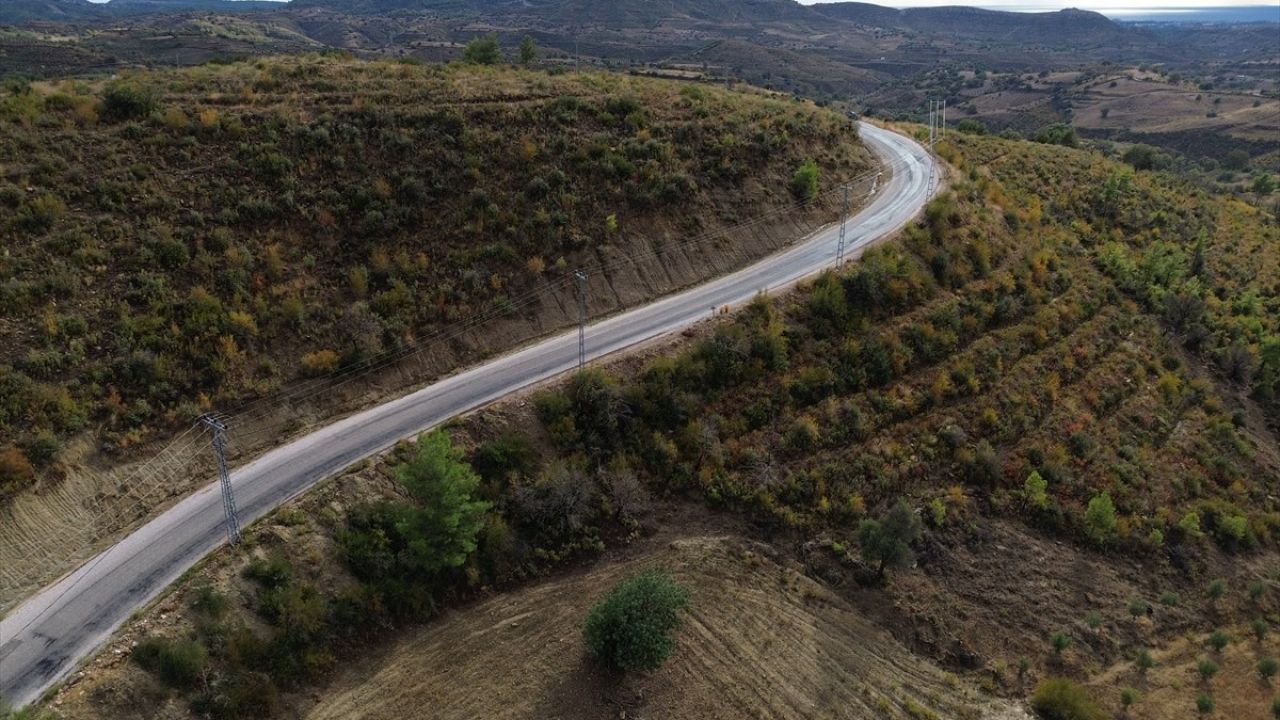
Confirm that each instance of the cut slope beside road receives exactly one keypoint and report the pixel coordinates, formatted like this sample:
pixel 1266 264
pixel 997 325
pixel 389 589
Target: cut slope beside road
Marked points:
pixel 46 636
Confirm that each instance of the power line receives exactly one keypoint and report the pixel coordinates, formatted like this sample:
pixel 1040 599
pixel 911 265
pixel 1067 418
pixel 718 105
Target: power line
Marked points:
pixel 305 389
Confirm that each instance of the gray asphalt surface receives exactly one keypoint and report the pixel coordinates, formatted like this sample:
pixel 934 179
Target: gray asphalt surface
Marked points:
pixel 44 639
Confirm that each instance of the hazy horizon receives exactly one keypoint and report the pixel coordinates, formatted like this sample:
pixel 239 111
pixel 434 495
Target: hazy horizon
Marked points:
pixel 1111 8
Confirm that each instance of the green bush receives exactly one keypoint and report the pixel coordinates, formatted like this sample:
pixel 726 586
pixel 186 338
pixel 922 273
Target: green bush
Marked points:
pixel 1218 640
pixel 127 100
pixel 402 548
pixel 39 214
pixel 1144 661
pixel 631 629
pixel 1060 641
pixel 1061 699
pixel 1100 519
pixel 1057 134
pixel 1216 589
pixel 483 51
pixel 887 542
pixel 509 455
pixel 179 663
pixel 804 184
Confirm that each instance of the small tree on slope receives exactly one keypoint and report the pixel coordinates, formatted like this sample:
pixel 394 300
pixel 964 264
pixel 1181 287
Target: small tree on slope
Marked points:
pixel 631 629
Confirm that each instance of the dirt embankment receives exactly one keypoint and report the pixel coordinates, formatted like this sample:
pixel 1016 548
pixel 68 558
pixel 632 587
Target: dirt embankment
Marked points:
pixel 630 257
pixel 44 534
pixel 761 640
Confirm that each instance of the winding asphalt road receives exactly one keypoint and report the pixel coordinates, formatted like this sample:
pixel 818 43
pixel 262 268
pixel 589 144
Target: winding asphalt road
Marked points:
pixel 43 639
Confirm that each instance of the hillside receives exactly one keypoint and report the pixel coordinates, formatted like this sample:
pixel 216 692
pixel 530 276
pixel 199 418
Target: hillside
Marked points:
pixel 1055 29
pixel 178 242
pixel 1066 370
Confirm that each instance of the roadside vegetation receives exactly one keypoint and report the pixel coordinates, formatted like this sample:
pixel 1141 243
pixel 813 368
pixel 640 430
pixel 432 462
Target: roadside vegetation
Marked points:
pixel 1064 364
pixel 184 240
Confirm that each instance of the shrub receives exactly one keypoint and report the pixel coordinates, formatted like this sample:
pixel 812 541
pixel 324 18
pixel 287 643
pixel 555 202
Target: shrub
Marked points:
pixel 127 100
pixel 178 663
pixel 1207 669
pixel 1128 696
pixel 1057 134
pixel 1100 519
pixel 528 51
pixel 1260 628
pixel 1216 589
pixel 1034 491
pixel 1256 590
pixel 969 126
pixel 16 472
pixel 1138 608
pixel 1267 668
pixel 483 51
pixel 508 455
pixel 1144 661
pixel 401 547
pixel 319 363
pixel 804 184
pixel 802 436
pixel 631 629
pixel 271 572
pixel 38 214
pixel 1218 640
pixel 1059 641
pixel 1061 699
pixel 887 542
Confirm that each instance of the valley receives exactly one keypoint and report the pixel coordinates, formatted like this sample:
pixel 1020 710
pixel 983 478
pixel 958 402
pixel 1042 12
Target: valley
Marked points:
pixel 644 360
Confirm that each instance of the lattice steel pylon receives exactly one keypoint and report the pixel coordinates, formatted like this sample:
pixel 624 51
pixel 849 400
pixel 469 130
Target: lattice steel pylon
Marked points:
pixel 844 219
pixel 219 429
pixel 582 319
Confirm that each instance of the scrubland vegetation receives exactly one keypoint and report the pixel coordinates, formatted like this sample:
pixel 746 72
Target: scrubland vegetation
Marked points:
pixel 1062 345
pixel 184 240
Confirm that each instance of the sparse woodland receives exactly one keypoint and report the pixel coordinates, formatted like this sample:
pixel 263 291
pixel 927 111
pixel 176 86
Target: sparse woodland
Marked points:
pixel 177 241
pixel 1063 353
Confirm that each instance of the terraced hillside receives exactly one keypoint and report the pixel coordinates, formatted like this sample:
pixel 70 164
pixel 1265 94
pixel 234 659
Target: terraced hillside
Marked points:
pixel 1065 373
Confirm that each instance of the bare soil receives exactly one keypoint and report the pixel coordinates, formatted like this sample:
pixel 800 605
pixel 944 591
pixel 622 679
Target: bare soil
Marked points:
pixel 761 639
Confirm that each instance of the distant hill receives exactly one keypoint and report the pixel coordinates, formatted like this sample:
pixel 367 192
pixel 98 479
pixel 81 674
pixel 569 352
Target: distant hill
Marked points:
pixel 1066 26
pixel 1048 28
pixel 22 11
pixel 162 6
pixel 611 12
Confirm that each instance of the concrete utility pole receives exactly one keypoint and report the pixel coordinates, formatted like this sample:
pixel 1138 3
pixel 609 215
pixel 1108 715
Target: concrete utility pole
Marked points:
pixel 844 219
pixel 219 429
pixel 582 319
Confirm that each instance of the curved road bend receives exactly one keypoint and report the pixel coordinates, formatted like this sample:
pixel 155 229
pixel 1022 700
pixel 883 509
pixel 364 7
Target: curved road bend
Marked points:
pixel 43 639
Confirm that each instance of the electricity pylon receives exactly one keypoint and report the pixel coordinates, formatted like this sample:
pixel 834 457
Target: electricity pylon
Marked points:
pixel 844 218
pixel 219 429
pixel 582 319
